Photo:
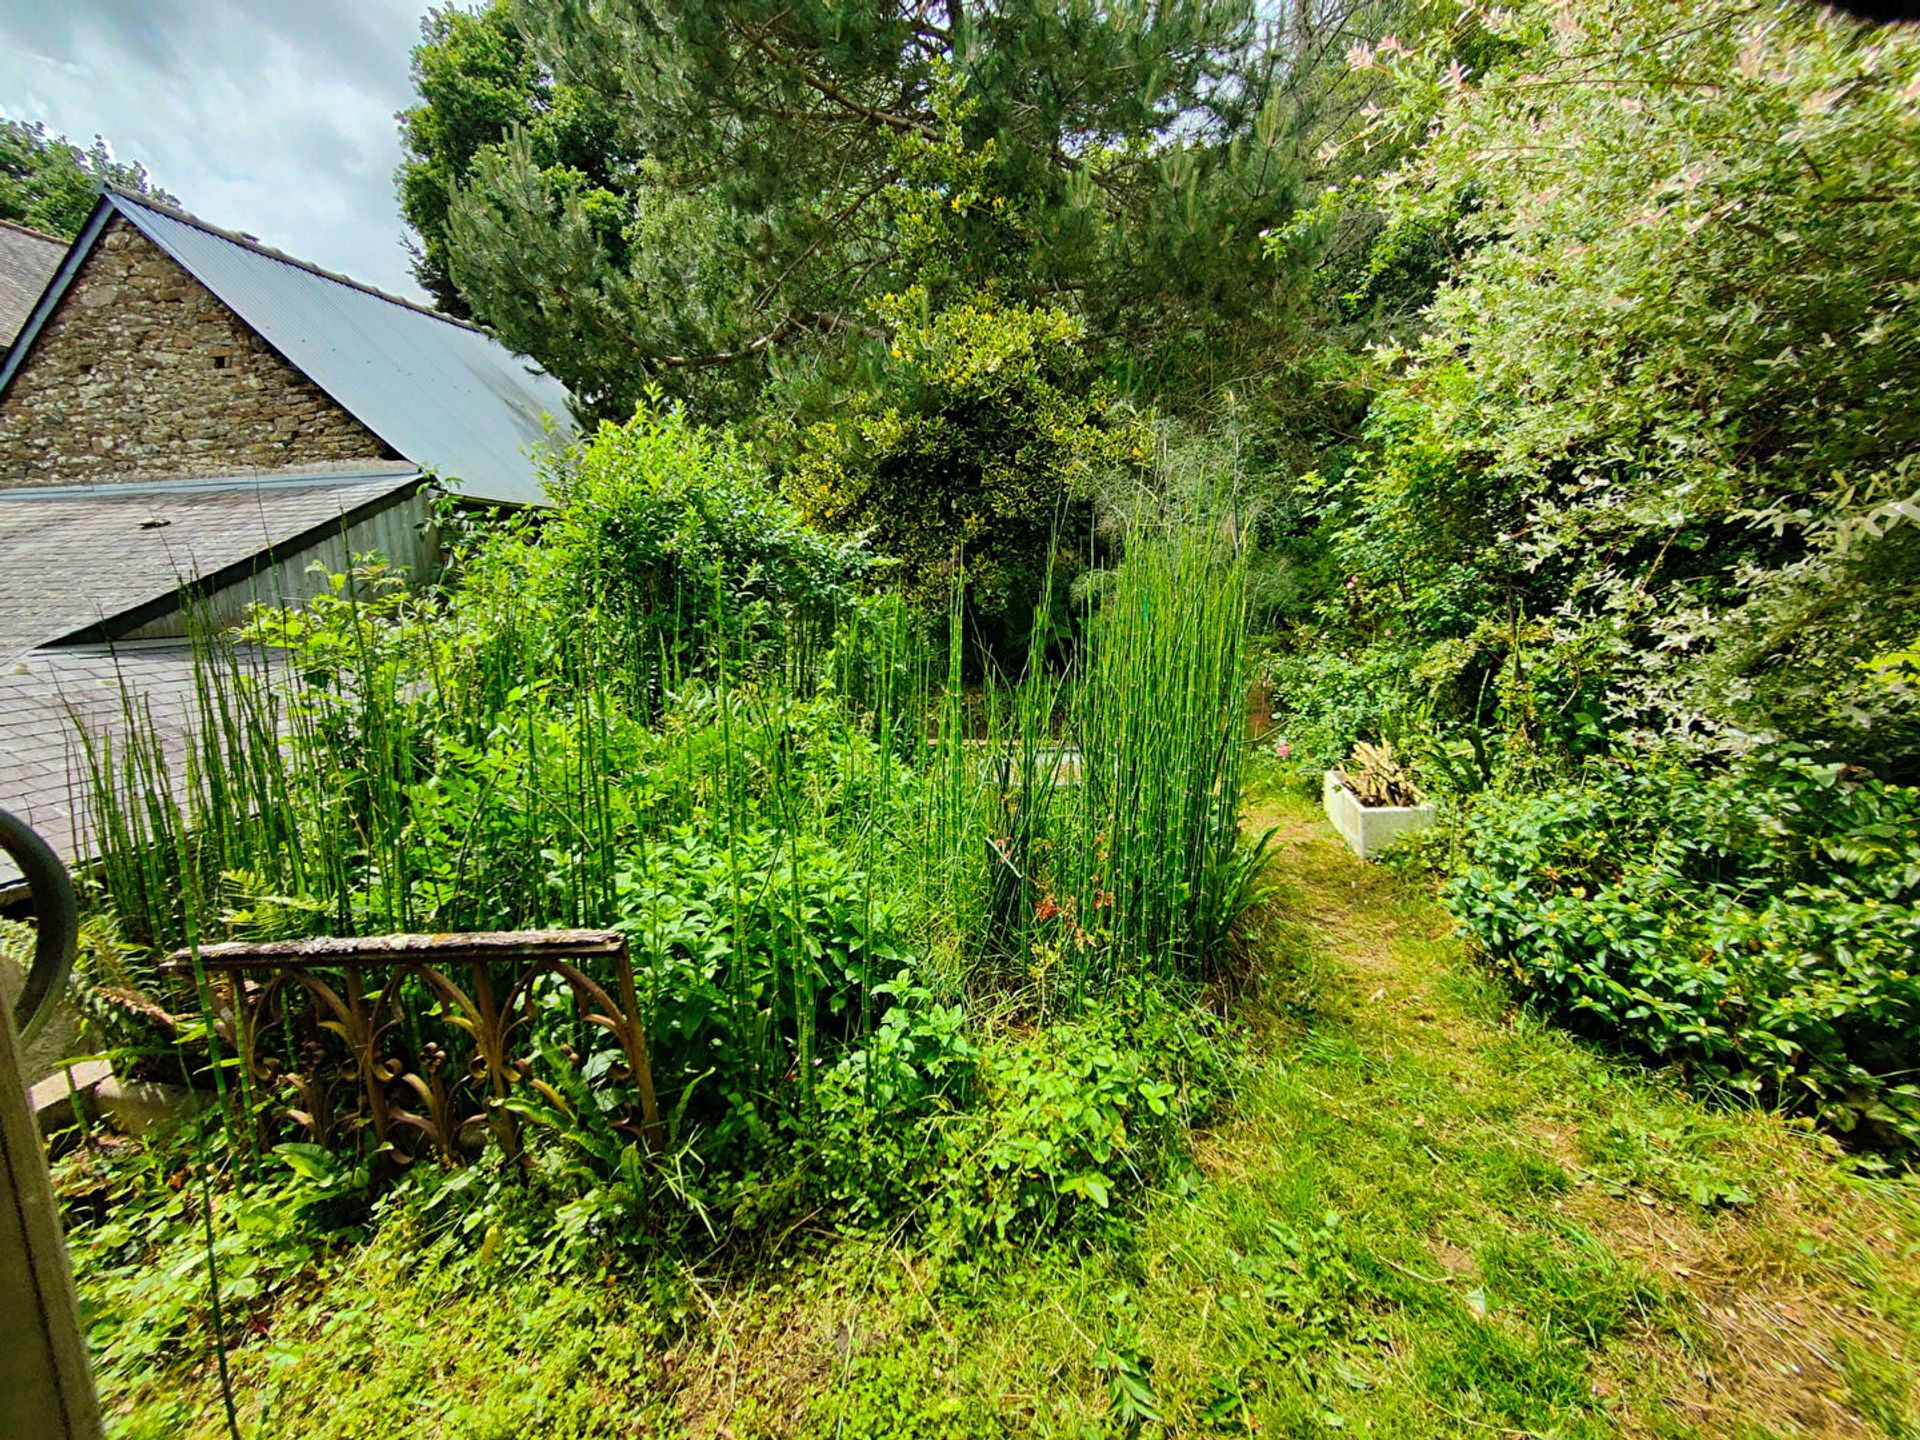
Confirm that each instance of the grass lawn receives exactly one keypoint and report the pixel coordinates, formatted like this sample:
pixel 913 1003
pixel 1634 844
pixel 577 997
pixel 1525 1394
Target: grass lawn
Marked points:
pixel 1425 1215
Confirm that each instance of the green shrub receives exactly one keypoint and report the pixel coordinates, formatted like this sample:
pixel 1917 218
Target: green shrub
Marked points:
pixel 1628 422
pixel 1083 1114
pixel 977 456
pixel 888 1108
pixel 754 959
pixel 667 541
pixel 1325 701
pixel 1757 926
pixel 1026 1133
pixel 802 842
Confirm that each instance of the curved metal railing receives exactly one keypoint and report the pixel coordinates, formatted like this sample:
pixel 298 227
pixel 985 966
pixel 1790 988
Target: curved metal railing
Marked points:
pixel 57 918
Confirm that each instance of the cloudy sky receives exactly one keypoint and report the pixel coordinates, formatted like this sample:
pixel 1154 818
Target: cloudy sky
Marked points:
pixel 270 116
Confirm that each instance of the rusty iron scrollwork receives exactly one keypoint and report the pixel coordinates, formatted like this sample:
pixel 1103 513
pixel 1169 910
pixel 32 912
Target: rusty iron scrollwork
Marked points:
pixel 374 1042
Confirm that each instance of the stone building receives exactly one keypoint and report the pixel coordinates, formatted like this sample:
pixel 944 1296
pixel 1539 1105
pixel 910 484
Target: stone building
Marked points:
pixel 167 348
pixel 189 420
pixel 140 371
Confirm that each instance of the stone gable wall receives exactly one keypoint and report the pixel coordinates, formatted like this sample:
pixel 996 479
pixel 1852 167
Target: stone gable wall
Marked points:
pixel 142 373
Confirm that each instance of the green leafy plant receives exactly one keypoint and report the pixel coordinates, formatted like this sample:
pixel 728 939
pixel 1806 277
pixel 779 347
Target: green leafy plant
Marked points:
pixel 669 547
pixel 663 711
pixel 1756 926
pixel 1131 1399
pixel 1083 1113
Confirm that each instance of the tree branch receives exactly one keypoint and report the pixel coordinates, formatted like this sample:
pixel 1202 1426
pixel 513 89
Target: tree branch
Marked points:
pixel 829 231
pixel 726 357
pixel 818 318
pixel 903 123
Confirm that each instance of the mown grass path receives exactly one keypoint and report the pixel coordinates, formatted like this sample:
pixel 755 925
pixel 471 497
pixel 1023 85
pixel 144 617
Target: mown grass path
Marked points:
pixel 1425 1214
pixel 1431 1215
pixel 1531 1238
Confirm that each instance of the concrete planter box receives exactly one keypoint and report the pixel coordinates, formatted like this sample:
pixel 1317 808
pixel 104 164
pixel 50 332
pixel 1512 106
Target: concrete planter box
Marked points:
pixel 1369 829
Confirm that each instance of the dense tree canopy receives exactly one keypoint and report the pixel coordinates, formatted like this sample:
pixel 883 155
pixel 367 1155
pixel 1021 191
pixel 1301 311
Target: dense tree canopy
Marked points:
pixel 1585 257
pixel 48 183
pixel 480 81
pixel 1654 451
pixel 781 215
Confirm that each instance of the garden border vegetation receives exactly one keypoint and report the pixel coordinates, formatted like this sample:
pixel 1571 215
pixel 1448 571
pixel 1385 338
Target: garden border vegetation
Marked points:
pixel 1524 395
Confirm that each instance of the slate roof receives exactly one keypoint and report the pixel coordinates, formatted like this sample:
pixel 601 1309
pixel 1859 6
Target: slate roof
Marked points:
pixel 27 262
pixel 42 696
pixel 74 557
pixel 443 393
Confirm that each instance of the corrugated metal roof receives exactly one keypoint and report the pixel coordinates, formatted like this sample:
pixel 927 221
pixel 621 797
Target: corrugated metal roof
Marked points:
pixel 447 396
pixel 73 558
pixel 27 262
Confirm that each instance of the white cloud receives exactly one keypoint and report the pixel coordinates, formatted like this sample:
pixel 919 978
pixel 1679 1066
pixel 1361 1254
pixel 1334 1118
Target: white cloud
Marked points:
pixel 267 116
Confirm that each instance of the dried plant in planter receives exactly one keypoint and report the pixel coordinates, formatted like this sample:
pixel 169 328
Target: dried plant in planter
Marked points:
pixel 1375 774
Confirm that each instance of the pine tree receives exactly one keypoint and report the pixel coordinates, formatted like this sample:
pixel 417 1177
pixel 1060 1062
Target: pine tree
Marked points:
pixel 745 209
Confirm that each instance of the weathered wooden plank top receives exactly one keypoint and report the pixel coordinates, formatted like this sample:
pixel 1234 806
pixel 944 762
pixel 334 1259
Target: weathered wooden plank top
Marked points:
pixel 455 948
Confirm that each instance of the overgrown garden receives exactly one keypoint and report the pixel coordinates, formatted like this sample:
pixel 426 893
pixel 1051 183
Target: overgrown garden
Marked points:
pixel 990 399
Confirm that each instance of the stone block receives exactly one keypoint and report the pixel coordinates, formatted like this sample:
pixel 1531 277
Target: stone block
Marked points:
pixel 88 1089
pixel 134 1107
pixel 52 1099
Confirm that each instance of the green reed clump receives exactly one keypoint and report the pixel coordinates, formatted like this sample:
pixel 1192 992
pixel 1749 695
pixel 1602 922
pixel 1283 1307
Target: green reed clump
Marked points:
pixel 1161 720
pixel 1094 809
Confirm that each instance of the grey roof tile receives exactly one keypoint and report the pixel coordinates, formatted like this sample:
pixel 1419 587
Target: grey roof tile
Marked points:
pixel 72 557
pixel 27 262
pixel 45 695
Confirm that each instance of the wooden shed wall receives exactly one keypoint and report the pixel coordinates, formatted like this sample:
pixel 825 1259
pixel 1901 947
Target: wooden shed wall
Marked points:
pixel 403 534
